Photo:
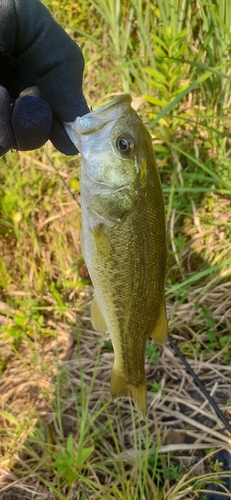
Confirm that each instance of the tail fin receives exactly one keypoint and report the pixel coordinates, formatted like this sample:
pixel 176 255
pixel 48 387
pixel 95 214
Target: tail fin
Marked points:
pixel 121 388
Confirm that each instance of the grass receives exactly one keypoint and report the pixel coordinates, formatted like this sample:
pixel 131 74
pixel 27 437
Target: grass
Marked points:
pixel 61 437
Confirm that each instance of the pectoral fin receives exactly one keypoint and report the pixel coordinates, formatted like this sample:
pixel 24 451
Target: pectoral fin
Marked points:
pixel 160 332
pixel 121 388
pixel 97 319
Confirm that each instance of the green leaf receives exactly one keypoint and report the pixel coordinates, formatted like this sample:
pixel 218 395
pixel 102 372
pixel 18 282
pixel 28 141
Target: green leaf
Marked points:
pixel 55 294
pixel 157 85
pixel 181 51
pixel 84 454
pixel 197 276
pixel 155 100
pixel 72 477
pixel 182 88
pixel 74 184
pixel 156 74
pixel 159 41
pixel 211 335
pixel 70 446
pixel 160 148
pixel 223 340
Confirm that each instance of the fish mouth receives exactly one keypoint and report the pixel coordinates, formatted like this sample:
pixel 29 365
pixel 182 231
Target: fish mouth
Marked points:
pixel 120 99
pixel 96 120
pixel 97 187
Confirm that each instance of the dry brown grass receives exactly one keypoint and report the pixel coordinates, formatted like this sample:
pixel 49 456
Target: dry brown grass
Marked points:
pixel 52 379
pixel 179 419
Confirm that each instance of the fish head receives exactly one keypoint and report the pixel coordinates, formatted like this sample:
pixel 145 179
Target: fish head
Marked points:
pixel 114 143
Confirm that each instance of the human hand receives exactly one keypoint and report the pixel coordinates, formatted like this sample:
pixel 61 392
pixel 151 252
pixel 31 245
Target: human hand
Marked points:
pixel 41 71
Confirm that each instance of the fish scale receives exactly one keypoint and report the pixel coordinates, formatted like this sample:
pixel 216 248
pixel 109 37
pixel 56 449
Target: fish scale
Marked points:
pixel 123 238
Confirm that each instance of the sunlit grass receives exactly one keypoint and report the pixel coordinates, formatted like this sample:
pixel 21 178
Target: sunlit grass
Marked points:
pixel 60 434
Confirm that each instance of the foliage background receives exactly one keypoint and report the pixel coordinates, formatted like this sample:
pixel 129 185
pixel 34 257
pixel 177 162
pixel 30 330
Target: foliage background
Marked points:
pixel 60 434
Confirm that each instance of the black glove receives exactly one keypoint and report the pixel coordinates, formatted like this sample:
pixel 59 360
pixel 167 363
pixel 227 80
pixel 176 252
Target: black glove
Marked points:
pixel 41 71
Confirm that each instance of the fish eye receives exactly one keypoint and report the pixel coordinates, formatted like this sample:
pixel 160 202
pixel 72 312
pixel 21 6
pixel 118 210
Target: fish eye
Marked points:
pixel 125 144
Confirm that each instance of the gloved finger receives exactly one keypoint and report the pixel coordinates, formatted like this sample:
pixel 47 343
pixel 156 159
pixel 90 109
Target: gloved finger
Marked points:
pixel 58 135
pixel 31 120
pixel 20 78
pixel 46 50
pixel 60 89
pixel 7 139
pixel 34 90
pixel 60 138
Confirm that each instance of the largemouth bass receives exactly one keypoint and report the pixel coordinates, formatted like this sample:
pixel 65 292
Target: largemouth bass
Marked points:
pixel 123 238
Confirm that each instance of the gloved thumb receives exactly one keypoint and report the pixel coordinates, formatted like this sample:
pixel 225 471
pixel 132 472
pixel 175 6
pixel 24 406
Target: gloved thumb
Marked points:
pixel 7 139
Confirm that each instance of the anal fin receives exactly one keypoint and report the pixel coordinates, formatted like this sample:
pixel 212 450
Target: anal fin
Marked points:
pixel 97 319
